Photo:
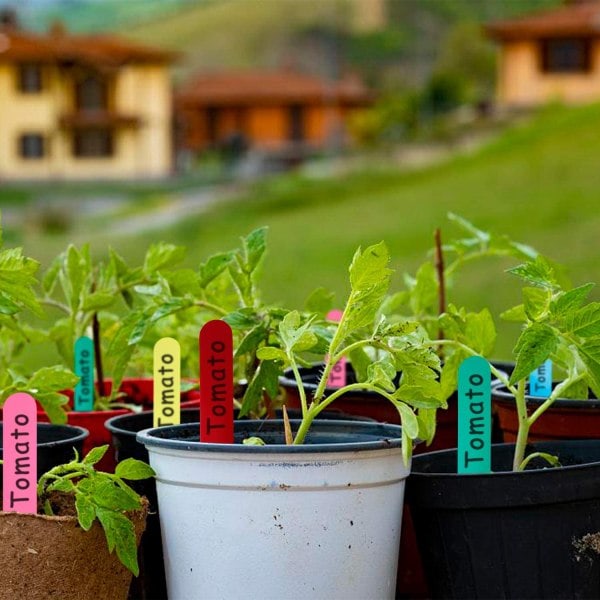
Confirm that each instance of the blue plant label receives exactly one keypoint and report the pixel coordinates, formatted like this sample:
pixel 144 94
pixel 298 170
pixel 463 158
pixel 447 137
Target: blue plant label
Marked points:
pixel 540 380
pixel 84 369
pixel 474 453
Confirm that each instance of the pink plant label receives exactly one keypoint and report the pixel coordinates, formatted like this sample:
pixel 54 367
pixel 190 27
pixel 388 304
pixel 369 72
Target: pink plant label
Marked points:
pixel 337 377
pixel 19 447
pixel 216 383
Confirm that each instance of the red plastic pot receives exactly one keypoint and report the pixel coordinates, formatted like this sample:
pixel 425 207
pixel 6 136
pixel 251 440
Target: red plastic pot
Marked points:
pixel 138 392
pixel 564 420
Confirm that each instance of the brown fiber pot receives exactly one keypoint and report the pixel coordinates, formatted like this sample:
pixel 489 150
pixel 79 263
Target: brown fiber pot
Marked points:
pixel 52 557
pixel 565 419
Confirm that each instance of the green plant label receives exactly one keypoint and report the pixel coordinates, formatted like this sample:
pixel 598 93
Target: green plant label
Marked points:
pixel 216 383
pixel 167 382
pixel 540 380
pixel 337 377
pixel 19 446
pixel 84 369
pixel 474 416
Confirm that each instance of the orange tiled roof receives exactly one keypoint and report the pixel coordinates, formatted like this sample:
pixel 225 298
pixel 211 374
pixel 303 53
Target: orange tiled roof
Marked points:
pixel 575 18
pixel 252 87
pixel 101 50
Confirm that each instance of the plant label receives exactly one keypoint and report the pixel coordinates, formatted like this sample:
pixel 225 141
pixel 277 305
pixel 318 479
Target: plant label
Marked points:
pixel 167 382
pixel 474 453
pixel 19 444
pixel 216 383
pixel 84 369
pixel 540 381
pixel 337 377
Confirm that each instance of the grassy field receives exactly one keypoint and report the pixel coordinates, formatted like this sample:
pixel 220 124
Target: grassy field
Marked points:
pixel 539 183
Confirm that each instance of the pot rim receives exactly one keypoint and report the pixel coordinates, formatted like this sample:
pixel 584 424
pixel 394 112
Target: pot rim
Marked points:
pixel 501 394
pixel 379 436
pixel 79 434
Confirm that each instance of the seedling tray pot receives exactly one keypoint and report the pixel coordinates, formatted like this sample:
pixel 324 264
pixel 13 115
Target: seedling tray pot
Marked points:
pixel 524 535
pixel 321 520
pixel 52 557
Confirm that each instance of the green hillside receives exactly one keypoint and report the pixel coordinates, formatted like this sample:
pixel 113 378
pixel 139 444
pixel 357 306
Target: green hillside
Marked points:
pixel 538 182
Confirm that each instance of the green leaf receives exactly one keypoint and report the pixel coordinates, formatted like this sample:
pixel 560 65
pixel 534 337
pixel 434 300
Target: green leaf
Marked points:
pixel 52 379
pixel 515 314
pixel 120 535
pixel 360 361
pixel 410 425
pixel 296 337
pixel 253 441
pixel 584 321
pixel 480 332
pixel 53 405
pixel 62 485
pixel 86 511
pixel 244 318
pixel 95 455
pixel 133 469
pixel 107 494
pixel 17 279
pixel 266 378
pixel 98 301
pixel 7 306
pixel 271 353
pixel 369 280
pixel 214 266
pixel 182 282
pixel 251 341
pixel 589 351
pixel 319 301
pixel 538 273
pixel 255 244
pixel 535 301
pixel 162 255
pixel 567 302
pixel 427 424
pixel 382 374
pixel 424 292
pixel 535 344
pixel 449 376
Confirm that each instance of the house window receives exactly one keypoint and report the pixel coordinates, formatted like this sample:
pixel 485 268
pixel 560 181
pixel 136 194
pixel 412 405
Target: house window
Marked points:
pixel 566 55
pixel 93 143
pixel 296 123
pixel 91 94
pixel 30 78
pixel 32 146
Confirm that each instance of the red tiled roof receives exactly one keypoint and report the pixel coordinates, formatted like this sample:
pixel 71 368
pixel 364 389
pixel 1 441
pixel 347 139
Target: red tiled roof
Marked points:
pixel 575 18
pixel 102 50
pixel 251 87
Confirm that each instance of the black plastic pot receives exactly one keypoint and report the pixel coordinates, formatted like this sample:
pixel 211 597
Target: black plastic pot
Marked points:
pixel 533 534
pixel 55 445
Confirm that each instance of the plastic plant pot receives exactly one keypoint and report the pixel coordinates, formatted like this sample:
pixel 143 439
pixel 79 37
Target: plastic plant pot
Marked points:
pixel 319 520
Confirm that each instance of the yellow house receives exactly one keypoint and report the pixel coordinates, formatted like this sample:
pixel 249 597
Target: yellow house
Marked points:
pixel 82 107
pixel 550 55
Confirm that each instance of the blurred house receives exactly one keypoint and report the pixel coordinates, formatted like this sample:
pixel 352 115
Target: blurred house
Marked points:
pixel 270 111
pixel 550 55
pixel 82 107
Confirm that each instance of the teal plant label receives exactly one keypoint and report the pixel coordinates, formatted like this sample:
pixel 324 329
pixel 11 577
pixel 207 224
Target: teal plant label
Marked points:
pixel 84 369
pixel 474 416
pixel 540 380
pixel 167 382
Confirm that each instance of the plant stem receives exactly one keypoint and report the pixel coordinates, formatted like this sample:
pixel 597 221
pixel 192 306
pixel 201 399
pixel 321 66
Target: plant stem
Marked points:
pixel 523 431
pixel 98 354
pixel 439 267
pixel 54 304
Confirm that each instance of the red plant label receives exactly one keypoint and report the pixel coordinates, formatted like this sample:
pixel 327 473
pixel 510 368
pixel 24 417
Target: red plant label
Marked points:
pixel 216 383
pixel 19 445
pixel 337 377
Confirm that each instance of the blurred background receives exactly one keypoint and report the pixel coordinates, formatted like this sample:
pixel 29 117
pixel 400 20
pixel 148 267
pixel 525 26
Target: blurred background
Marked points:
pixel 337 123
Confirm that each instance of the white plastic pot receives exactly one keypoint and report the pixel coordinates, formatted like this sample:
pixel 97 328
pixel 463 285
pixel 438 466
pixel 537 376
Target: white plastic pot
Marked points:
pixel 320 520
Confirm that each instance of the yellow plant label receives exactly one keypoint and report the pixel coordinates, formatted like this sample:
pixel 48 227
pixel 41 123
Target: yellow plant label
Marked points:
pixel 167 382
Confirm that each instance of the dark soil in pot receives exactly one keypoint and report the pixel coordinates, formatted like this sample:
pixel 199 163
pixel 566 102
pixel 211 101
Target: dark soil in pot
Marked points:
pixel 565 419
pixel 510 535
pixel 55 445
